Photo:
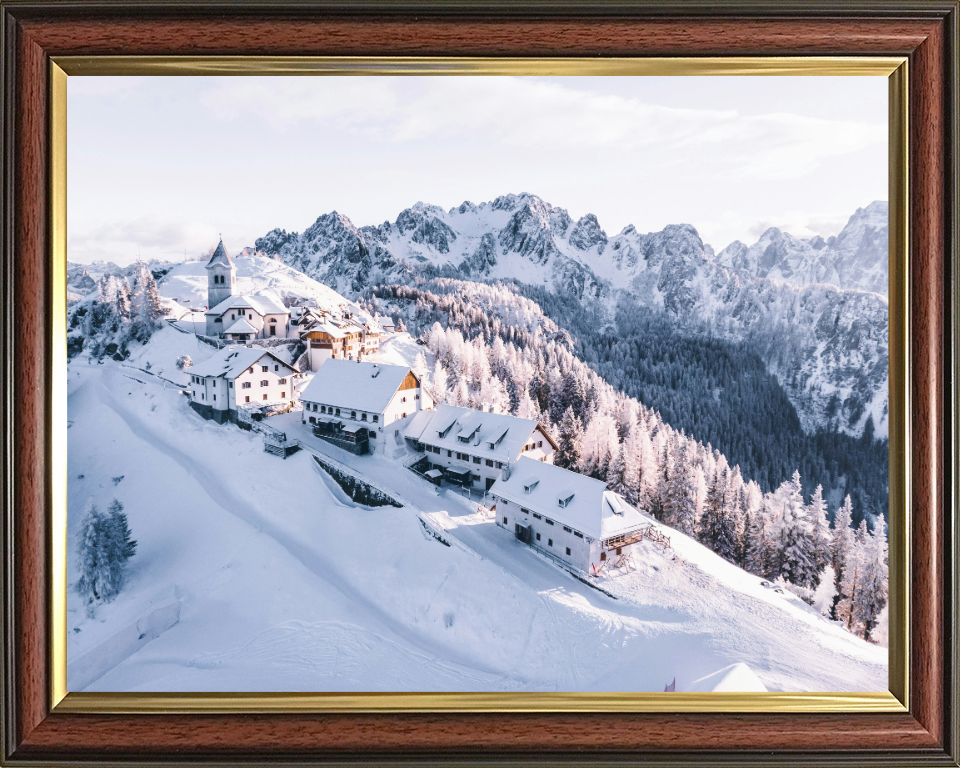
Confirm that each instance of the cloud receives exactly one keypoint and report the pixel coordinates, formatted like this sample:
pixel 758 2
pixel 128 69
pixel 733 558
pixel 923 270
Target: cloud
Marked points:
pixel 122 241
pixel 517 112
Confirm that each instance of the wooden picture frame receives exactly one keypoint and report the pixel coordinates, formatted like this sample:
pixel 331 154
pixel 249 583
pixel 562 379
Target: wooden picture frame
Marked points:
pixel 35 35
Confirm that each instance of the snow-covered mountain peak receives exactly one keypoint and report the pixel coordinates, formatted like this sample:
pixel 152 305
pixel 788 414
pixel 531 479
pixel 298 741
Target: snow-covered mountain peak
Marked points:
pixel 587 234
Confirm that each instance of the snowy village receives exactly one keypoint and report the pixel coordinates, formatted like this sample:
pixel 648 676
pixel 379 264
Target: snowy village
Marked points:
pixel 273 487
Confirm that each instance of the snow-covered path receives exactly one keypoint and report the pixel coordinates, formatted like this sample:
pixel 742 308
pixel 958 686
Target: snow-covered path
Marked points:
pixel 284 587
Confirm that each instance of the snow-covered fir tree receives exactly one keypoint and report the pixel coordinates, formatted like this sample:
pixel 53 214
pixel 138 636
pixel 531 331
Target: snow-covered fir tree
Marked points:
pixel 569 441
pixel 874 589
pixel 103 545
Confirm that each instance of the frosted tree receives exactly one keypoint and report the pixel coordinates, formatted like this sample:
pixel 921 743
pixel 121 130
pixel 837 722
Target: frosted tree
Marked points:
pixel 874 589
pixel 616 474
pixel 439 382
pixel 717 526
pixel 647 475
pixel 825 594
pixel 146 308
pixel 851 584
pixel 757 553
pixel 842 544
pixel 123 299
pixel 569 441
pixel 631 469
pixel 796 548
pixel 184 362
pixel 680 509
pixel 461 394
pixel 103 546
pixel 820 531
pixel 420 369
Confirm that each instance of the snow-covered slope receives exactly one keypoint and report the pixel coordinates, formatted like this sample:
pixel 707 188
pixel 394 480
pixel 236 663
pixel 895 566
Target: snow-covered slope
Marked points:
pixel 826 343
pixel 281 585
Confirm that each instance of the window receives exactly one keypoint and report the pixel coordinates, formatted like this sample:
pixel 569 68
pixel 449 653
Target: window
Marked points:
pixel 603 556
pixel 283 395
pixel 233 317
pixel 538 537
pixel 214 397
pixel 525 511
pixel 231 385
pixel 548 521
pixel 313 419
pixel 273 332
pixel 323 408
pixel 277 368
pixel 194 393
pixel 373 435
pixel 568 530
pixel 246 399
pixel 403 415
pixel 449 454
pixel 363 417
pixel 283 381
pixel 203 397
pixel 376 418
pixel 264 383
pixel 250 371
pixel 568 550
pixel 504 521
pixel 498 464
pixel 264 397
pixel 416 397
pixel 578 534
pixel 396 433
pixel 476 459
pixel 539 443
pixel 489 462
pixel 337 413
pixel 549 542
pixel 403 399
pixel 353 414
pixel 538 517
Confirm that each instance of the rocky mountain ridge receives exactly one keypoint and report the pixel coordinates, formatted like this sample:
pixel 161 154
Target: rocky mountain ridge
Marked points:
pixel 826 343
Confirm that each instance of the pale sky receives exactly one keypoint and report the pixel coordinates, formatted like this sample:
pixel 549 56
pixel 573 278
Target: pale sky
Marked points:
pixel 166 164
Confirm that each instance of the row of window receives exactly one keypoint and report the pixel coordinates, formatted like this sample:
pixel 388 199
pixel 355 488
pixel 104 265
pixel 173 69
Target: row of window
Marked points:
pixel 549 541
pixel 336 412
pixel 464 456
pixel 283 396
pixel 532 445
pixel 538 516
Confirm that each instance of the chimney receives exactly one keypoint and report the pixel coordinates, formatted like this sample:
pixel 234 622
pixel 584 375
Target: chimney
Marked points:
pixel 505 472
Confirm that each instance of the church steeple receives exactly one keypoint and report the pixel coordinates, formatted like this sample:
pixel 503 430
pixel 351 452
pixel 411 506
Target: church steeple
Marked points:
pixel 221 276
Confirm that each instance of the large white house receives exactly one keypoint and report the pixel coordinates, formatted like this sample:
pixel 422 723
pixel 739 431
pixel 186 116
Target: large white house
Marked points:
pixel 471 446
pixel 567 515
pixel 362 401
pixel 239 377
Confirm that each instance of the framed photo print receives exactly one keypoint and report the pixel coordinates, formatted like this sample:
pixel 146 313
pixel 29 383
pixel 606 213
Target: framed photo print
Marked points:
pixel 428 382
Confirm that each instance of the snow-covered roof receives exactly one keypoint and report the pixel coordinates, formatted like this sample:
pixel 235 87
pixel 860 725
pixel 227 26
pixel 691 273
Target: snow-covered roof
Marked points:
pixel 326 326
pixel 385 321
pixel 496 436
pixel 359 386
pixel 233 361
pixel 241 326
pixel 588 507
pixel 220 256
pixel 263 303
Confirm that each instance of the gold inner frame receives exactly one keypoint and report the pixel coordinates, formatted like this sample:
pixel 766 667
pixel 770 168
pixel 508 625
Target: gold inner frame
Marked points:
pixel 893 700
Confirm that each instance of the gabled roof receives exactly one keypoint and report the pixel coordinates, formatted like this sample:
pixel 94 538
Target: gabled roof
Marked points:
pixel 263 303
pixel 233 361
pixel 496 436
pixel 241 326
pixel 359 386
pixel 220 256
pixel 589 507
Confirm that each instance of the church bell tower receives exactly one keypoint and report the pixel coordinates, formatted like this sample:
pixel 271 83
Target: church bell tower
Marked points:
pixel 221 276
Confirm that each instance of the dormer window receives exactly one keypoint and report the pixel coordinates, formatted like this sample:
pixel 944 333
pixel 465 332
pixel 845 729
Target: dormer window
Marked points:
pixel 565 500
pixel 530 486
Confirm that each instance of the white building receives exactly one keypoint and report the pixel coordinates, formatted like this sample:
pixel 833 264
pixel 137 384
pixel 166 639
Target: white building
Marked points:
pixel 239 377
pixel 364 400
pixel 243 318
pixel 567 515
pixel 471 446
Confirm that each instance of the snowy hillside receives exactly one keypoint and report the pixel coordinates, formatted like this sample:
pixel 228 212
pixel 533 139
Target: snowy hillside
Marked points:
pixel 255 573
pixel 826 343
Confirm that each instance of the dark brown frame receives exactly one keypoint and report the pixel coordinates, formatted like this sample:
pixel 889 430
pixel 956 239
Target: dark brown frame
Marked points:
pixel 925 32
